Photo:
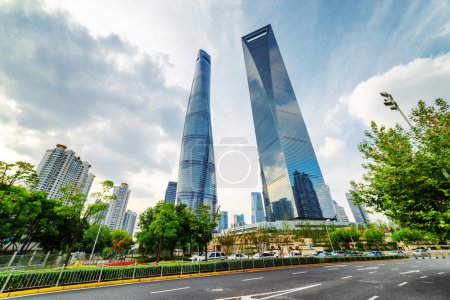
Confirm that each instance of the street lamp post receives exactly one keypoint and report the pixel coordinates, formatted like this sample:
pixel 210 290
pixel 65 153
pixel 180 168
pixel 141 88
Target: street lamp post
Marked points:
pixel 389 101
pixel 326 227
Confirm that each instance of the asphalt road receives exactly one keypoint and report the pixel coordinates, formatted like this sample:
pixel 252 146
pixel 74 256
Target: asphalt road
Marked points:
pixel 405 279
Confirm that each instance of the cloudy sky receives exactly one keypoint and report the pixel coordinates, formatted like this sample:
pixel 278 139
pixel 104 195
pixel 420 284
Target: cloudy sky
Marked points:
pixel 111 79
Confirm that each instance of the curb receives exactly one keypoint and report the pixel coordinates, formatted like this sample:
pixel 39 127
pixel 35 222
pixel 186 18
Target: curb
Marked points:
pixel 168 277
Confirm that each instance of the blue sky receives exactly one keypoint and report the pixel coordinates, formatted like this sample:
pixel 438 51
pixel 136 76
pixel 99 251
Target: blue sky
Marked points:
pixel 111 80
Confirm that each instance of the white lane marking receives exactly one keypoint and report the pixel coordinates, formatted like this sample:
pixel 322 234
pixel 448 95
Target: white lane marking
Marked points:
pixel 403 283
pixel 256 278
pixel 370 268
pixel 171 290
pixel 440 273
pixel 394 269
pixel 359 266
pixel 414 271
pixel 333 269
pixel 381 264
pixel 291 291
pixel 373 298
pixel 274 294
pixel 334 266
pixel 372 272
pixel 299 272
pixel 346 277
pixel 424 276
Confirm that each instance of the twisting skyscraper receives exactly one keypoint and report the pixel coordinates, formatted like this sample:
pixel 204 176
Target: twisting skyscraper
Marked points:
pixel 196 175
pixel 293 185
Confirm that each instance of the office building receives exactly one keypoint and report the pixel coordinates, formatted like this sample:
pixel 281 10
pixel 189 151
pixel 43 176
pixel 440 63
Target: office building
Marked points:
pixel 238 220
pixel 117 207
pixel 129 221
pixel 197 175
pixel 293 184
pixel 59 167
pixel 257 208
pixel 341 216
pixel 223 223
pixel 171 192
pixel 357 210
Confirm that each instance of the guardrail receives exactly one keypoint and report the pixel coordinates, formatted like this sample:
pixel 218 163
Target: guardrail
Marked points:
pixel 22 280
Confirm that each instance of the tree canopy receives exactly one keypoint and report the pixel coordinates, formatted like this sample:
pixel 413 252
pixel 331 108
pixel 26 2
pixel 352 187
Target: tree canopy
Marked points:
pixel 407 170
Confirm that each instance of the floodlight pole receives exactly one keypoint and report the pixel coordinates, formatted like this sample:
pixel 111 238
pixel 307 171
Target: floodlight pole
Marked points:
pixel 389 101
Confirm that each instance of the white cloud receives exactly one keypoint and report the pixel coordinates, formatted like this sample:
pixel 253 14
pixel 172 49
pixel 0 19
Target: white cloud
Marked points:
pixel 331 148
pixel 444 31
pixel 422 78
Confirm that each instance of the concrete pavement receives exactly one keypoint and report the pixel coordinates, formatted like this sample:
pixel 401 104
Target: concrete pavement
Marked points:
pixel 405 279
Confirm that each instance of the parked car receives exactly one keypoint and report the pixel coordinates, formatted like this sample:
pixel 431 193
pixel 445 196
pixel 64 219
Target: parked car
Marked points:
pixel 266 254
pixel 294 254
pixel 323 254
pixel 338 253
pixel 375 253
pixel 396 252
pixel 215 255
pixel 421 253
pixel 235 256
pixel 354 253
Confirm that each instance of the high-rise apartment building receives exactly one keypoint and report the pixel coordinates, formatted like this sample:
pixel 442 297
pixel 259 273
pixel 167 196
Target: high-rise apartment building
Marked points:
pixel 197 175
pixel 341 216
pixel 357 210
pixel 171 192
pixel 129 221
pixel 257 208
pixel 223 223
pixel 293 185
pixel 117 207
pixel 60 166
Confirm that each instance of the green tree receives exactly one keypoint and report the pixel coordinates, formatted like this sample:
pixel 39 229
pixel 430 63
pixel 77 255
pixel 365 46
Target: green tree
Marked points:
pixel 204 223
pixel 374 237
pixel 77 212
pixel 90 235
pixel 342 237
pixel 121 241
pixel 407 235
pixel 18 208
pixel 407 171
pixel 165 226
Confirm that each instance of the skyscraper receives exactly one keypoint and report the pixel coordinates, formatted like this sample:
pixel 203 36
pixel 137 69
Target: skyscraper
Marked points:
pixel 341 216
pixel 59 167
pixel 292 180
pixel 197 175
pixel 257 208
pixel 129 221
pixel 116 209
pixel 223 223
pixel 238 220
pixel 171 192
pixel 357 210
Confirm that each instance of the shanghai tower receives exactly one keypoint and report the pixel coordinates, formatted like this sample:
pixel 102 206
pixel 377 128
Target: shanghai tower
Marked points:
pixel 196 174
pixel 293 185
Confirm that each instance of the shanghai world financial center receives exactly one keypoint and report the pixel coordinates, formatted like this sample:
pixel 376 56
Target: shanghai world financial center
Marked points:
pixel 293 185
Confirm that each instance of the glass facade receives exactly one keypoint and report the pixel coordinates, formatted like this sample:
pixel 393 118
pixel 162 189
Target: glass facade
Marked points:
pixel 171 192
pixel 257 208
pixel 293 185
pixel 357 210
pixel 196 174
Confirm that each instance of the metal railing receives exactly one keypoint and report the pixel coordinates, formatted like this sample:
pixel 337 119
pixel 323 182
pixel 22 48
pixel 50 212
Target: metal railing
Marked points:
pixel 15 280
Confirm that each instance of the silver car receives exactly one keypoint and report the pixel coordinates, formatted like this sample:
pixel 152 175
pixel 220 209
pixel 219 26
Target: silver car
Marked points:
pixel 420 253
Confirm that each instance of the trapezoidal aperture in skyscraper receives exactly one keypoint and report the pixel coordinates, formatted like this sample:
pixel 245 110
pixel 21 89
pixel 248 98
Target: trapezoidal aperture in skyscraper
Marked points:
pixel 196 174
pixel 293 185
